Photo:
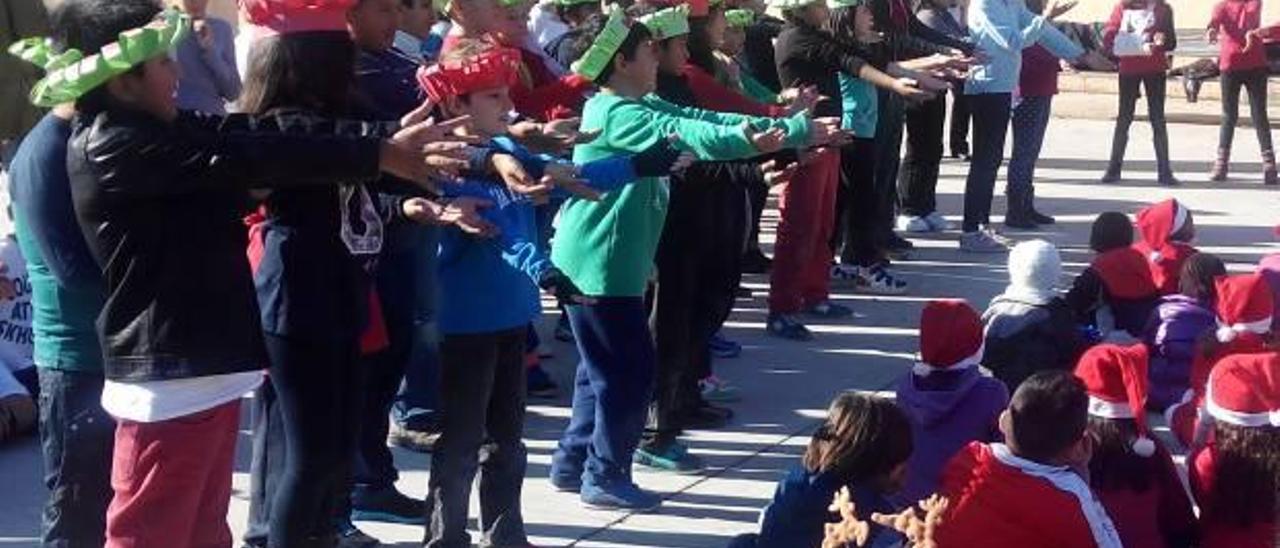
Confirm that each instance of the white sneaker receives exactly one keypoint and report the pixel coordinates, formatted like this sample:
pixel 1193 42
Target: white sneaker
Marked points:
pixel 913 224
pixel 843 272
pixel 937 222
pixel 1001 238
pixel 981 242
pixel 877 279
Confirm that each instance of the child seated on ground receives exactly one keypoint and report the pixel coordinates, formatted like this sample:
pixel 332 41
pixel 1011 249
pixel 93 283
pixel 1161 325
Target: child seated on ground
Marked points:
pixel 1175 329
pixel 949 401
pixel 1167 229
pixel 1115 292
pixel 1235 479
pixel 1030 490
pixel 863 445
pixel 1029 327
pixel 1131 472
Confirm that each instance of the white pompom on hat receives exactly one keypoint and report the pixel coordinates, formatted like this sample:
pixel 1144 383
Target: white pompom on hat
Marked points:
pixel 1116 379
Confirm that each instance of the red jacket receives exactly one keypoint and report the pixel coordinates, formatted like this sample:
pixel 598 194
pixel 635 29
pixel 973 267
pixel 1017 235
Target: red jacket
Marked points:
pixel 712 95
pixel 1184 419
pixel 995 505
pixel 1215 533
pixel 542 96
pixel 1234 19
pixel 1158 61
pixel 1158 517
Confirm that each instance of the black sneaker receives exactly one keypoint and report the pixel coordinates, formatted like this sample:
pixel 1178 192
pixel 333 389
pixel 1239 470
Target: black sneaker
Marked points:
pixel 386 505
pixel 787 327
pixel 540 384
pixel 755 262
pixel 1041 218
pixel 412 439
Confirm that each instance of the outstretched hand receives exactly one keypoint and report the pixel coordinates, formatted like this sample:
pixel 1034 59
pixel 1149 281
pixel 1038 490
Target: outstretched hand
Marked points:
pixel 767 141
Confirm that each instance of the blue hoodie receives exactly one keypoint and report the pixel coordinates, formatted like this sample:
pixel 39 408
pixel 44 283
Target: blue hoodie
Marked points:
pixel 796 516
pixel 1001 29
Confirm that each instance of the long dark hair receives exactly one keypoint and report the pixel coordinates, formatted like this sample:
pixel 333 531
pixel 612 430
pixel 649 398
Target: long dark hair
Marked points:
pixel 843 23
pixel 863 438
pixel 309 70
pixel 1196 280
pixel 1114 466
pixel 1247 474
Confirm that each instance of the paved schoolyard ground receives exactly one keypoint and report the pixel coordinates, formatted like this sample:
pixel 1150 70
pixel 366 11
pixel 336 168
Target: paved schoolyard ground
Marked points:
pixel 787 385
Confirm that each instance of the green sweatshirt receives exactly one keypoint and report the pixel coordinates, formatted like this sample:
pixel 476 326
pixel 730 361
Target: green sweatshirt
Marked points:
pixel 607 247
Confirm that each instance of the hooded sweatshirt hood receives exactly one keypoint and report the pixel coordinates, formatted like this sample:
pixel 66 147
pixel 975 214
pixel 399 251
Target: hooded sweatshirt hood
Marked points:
pixel 935 397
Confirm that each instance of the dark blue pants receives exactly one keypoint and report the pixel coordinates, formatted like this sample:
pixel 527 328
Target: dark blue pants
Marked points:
pixel 990 126
pixel 419 395
pixel 1030 121
pixel 611 391
pixel 76 437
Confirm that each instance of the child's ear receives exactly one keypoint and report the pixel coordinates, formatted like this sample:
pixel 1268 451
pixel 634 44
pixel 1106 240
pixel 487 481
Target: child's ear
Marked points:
pixel 1005 423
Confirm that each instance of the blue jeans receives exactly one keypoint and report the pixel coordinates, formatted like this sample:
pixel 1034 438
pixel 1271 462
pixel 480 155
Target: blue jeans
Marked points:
pixel 1030 120
pixel 419 395
pixel 76 438
pixel 611 392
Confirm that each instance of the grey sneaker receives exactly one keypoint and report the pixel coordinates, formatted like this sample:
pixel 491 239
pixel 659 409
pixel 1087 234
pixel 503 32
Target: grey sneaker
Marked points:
pixel 913 224
pixel 981 242
pixel 998 237
pixel 937 222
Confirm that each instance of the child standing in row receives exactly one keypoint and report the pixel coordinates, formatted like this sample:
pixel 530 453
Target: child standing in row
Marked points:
pixel 1243 62
pixel 1142 34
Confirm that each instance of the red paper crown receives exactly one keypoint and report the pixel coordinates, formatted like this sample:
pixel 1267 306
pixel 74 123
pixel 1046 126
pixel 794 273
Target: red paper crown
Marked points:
pixel 272 17
pixel 494 68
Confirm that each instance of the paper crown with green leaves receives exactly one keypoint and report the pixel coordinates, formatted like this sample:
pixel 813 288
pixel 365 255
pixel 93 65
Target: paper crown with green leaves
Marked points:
pixel 69 74
pixel 567 3
pixel 605 46
pixel 740 18
pixel 667 22
pixel 845 3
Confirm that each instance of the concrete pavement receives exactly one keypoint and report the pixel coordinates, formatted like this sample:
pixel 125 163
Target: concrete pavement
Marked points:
pixel 787 385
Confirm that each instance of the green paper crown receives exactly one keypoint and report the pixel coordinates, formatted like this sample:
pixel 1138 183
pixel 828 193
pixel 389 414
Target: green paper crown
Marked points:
pixel 668 23
pixel 567 3
pixel 845 3
pixel 740 18
pixel 776 7
pixel 605 46
pixel 69 75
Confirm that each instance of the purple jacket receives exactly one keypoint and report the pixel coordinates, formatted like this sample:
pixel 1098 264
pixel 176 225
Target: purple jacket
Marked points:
pixel 947 411
pixel 1171 335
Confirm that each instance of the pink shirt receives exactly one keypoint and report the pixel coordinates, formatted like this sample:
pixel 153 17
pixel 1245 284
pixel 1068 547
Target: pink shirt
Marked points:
pixel 1234 19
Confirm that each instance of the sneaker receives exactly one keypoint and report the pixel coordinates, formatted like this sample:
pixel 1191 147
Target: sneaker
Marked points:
pixel 619 495
pixel 875 279
pixel 844 272
pixel 913 224
pixel 566 485
pixel 937 222
pixel 706 417
pixel 564 332
pixel 1112 175
pixel 828 309
pixel 755 262
pixel 998 237
pixel 418 441
pixel 723 348
pixel 386 505
pixel 787 327
pixel 540 385
pixel 981 242
pixel 349 536
pixel 716 390
pixel 675 457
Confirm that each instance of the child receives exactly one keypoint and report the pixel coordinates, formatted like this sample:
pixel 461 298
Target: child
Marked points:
pixel 729 51
pixel 1230 25
pixel 1001 30
pixel 1235 479
pixel 1175 330
pixel 1033 102
pixel 208 59
pixel 140 167
pixel 413 35
pixel 949 401
pixel 607 249
pixel 1115 291
pixel 1245 310
pixel 864 445
pixel 572 14
pixel 1131 472
pixel 1142 34
pixel 1029 327
pixel 1167 230
pixel 539 94
pixel 1030 490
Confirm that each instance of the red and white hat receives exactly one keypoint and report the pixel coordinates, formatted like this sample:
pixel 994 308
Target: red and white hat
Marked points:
pixel 1116 379
pixel 274 17
pixel 493 68
pixel 1245 305
pixel 1244 390
pixel 1158 222
pixel 951 337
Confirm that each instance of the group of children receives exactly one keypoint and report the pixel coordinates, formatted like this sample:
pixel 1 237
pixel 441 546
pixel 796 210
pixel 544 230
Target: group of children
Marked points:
pixel 1070 459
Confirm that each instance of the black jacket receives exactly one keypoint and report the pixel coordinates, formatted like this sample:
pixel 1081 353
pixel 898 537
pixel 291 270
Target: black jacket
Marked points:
pixel 757 51
pixel 161 206
pixel 912 39
pixel 807 56
pixel 1024 337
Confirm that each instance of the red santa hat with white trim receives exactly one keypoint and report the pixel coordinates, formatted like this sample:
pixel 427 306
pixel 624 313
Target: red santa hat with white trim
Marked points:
pixel 1244 390
pixel 951 337
pixel 276 17
pixel 1158 222
pixel 1116 379
pixel 1245 305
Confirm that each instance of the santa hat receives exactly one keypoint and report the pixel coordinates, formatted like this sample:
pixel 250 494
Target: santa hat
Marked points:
pixel 1245 305
pixel 1158 222
pixel 1116 379
pixel 950 337
pixel 493 68
pixel 275 17
pixel 1244 390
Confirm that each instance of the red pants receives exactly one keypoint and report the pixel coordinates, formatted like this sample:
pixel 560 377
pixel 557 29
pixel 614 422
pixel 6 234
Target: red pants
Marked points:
pixel 802 252
pixel 172 481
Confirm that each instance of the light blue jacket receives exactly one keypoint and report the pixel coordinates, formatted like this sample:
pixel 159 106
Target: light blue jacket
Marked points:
pixel 1001 29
